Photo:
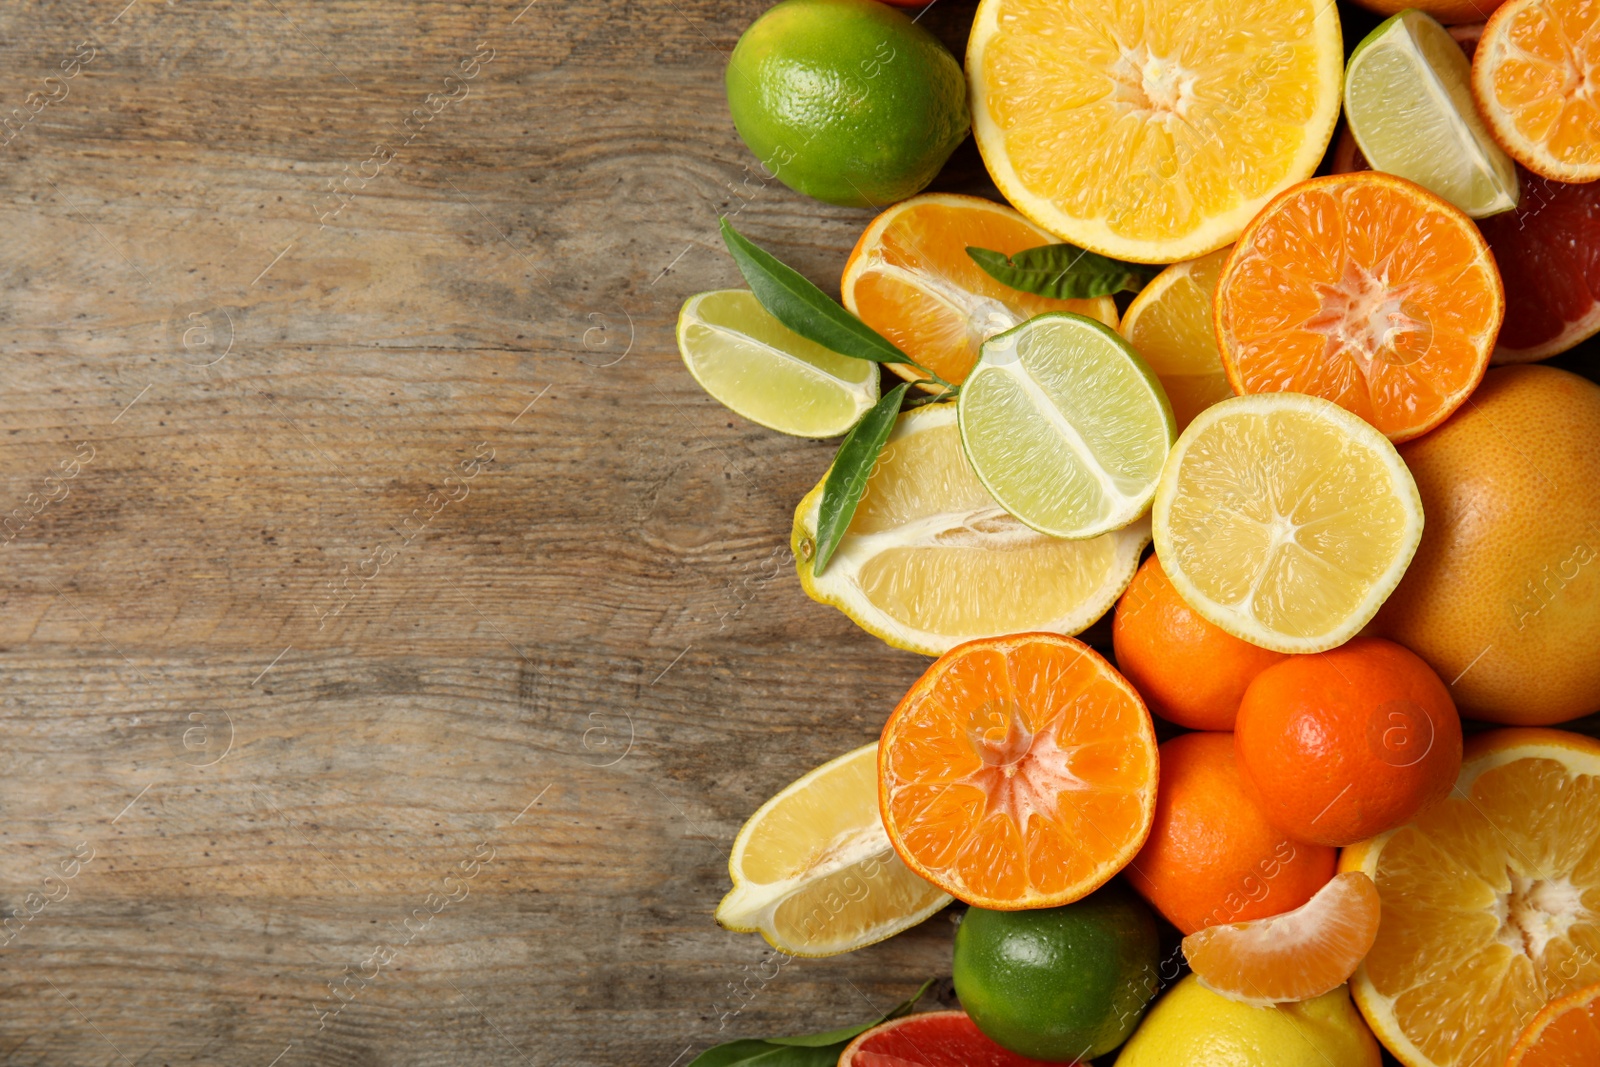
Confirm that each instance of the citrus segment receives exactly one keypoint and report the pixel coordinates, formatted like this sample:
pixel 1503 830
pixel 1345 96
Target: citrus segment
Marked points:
pixel 930 1039
pixel 1065 425
pixel 1565 1033
pixel 910 278
pixel 1491 901
pixel 930 560
pixel 1152 132
pixel 1285 520
pixel 1298 955
pixel 1170 324
pixel 1536 77
pixel 1018 772
pixel 760 369
pixel 1364 289
pixel 813 871
pixel 1408 102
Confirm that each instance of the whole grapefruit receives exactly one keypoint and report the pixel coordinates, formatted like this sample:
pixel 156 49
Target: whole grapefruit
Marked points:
pixel 1503 597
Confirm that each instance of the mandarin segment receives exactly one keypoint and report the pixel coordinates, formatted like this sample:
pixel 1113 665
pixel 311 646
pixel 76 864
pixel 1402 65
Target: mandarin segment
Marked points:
pixel 1056 786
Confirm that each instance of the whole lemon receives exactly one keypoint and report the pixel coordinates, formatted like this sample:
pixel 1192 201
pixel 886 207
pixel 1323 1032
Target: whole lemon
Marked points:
pixel 1191 1026
pixel 1059 984
pixel 1503 597
pixel 848 101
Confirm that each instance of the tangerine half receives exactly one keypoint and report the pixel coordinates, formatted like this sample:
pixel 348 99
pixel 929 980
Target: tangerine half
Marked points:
pixel 1018 772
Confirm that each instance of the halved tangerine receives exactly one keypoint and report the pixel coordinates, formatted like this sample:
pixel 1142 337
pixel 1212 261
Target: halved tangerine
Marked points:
pixel 1295 956
pixel 909 277
pixel 1364 289
pixel 1018 772
pixel 1565 1033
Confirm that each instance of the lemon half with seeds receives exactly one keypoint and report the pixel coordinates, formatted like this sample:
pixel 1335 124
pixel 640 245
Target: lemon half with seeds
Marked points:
pixel 930 560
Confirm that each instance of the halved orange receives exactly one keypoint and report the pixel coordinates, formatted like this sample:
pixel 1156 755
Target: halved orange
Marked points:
pixel 1565 1033
pixel 910 278
pixel 1018 772
pixel 1536 78
pixel 1295 956
pixel 1491 901
pixel 1364 289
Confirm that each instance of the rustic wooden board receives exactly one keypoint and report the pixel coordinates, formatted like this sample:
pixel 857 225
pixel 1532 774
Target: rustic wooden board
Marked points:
pixel 371 553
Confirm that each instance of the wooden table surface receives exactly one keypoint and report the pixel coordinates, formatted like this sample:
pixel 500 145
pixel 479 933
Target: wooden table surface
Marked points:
pixel 392 635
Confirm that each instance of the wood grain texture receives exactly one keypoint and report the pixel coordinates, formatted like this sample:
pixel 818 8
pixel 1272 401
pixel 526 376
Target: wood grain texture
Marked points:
pixel 362 538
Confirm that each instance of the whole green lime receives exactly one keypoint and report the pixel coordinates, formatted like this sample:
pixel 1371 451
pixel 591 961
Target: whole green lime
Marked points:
pixel 848 101
pixel 1059 984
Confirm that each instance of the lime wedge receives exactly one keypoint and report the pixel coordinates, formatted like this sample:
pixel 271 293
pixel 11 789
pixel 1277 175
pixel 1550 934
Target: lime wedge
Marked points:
pixel 757 367
pixel 1066 426
pixel 1408 99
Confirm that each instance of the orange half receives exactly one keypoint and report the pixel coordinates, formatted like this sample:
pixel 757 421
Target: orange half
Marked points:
pixel 1565 1033
pixel 910 278
pixel 1364 289
pixel 1298 955
pixel 1536 78
pixel 1018 772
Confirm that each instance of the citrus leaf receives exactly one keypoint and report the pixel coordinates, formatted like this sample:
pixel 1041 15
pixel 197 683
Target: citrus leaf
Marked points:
pixel 852 466
pixel 804 308
pixel 1062 272
pixel 811 1050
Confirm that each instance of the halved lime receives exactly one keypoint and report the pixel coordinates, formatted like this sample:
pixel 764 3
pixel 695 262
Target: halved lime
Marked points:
pixel 1408 99
pixel 759 368
pixel 1066 426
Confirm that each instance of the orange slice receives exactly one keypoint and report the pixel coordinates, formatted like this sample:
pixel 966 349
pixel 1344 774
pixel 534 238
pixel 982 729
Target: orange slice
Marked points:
pixel 1536 77
pixel 1018 772
pixel 1565 1033
pixel 1152 131
pixel 910 278
pixel 1364 289
pixel 1298 955
pixel 1491 901
pixel 1170 324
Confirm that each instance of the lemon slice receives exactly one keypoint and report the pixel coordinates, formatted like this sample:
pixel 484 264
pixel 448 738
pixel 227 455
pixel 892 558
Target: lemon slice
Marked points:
pixel 813 870
pixel 1408 99
pixel 1152 131
pixel 930 560
pixel 1065 425
pixel 757 367
pixel 1285 520
pixel 1170 324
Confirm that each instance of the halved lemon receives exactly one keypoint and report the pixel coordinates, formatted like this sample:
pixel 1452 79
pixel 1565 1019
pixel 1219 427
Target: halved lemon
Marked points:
pixel 1171 324
pixel 1152 132
pixel 1285 520
pixel 813 871
pixel 759 368
pixel 1491 901
pixel 930 560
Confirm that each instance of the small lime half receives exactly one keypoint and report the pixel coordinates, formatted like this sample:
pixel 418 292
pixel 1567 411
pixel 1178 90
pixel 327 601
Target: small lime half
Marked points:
pixel 1066 426
pixel 759 368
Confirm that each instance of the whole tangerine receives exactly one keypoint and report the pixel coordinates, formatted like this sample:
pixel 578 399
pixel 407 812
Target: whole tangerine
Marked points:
pixel 1339 746
pixel 1189 670
pixel 1212 857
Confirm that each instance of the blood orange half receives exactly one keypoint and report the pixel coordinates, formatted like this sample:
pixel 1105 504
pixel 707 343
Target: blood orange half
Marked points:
pixel 930 1039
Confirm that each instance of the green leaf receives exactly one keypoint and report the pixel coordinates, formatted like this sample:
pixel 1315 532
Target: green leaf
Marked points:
pixel 811 1050
pixel 1062 272
pixel 804 308
pixel 847 479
